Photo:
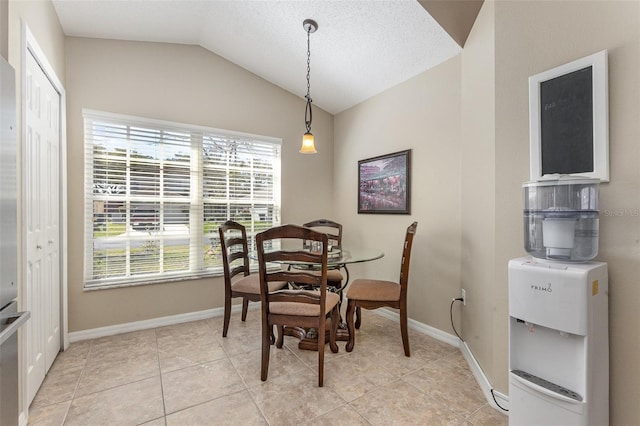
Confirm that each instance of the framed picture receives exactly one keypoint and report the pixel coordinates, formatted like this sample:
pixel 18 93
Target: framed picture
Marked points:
pixel 384 184
pixel 569 120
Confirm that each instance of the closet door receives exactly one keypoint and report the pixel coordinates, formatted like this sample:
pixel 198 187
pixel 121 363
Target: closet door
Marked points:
pixel 42 222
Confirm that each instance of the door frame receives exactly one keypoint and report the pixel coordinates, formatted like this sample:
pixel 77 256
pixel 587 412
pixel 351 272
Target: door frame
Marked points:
pixel 29 45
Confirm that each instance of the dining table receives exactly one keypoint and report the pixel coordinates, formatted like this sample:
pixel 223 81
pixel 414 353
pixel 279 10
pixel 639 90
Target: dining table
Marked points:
pixel 337 258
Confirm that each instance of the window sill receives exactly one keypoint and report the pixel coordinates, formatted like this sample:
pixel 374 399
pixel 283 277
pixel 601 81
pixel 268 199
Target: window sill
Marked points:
pixel 135 282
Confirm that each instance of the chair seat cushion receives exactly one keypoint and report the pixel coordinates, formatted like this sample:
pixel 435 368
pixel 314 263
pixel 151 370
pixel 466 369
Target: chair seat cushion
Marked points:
pixel 251 284
pixel 333 275
pixel 375 290
pixel 334 280
pixel 303 309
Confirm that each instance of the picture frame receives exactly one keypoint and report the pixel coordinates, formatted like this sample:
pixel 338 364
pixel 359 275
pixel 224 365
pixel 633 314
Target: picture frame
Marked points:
pixel 384 184
pixel 569 120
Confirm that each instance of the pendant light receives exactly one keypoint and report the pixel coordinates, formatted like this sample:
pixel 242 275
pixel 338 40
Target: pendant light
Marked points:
pixel 308 141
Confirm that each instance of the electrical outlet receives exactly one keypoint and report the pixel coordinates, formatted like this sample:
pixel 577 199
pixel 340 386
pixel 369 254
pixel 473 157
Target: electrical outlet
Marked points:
pixel 464 297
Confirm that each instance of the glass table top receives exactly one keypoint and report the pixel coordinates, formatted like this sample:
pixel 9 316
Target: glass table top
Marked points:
pixel 346 256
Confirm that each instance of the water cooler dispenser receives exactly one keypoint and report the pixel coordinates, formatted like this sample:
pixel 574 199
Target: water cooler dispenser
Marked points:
pixel 558 310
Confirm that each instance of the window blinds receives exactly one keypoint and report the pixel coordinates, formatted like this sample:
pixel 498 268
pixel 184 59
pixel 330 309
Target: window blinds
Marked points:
pixel 156 192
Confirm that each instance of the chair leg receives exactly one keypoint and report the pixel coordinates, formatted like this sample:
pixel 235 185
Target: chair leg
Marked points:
pixel 335 318
pixel 321 344
pixel 267 332
pixel 337 288
pixel 404 330
pixel 358 317
pixel 351 306
pixel 280 340
pixel 272 340
pixel 245 308
pixel 227 315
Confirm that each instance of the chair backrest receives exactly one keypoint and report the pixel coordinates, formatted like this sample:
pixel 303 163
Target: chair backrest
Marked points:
pixel 329 227
pixel 235 251
pixel 406 258
pixel 291 236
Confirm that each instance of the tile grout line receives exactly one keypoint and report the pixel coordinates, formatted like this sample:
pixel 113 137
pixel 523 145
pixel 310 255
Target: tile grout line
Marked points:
pixel 400 376
pixel 164 404
pixel 246 388
pixel 112 387
pixel 464 417
pixel 362 416
pixel 75 389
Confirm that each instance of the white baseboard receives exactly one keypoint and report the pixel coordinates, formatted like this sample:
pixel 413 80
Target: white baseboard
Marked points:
pixel 452 340
pixel 445 337
pixel 483 381
pixel 422 328
pixel 153 323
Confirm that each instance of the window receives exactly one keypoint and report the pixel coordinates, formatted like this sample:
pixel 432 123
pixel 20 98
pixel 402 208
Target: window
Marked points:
pixel 156 192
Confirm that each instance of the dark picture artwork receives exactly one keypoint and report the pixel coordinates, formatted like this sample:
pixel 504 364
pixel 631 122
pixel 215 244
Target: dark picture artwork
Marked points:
pixel 384 184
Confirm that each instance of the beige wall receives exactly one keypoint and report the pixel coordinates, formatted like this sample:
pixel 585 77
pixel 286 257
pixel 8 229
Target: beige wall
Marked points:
pixel 42 21
pixel 509 42
pixel 478 190
pixel 190 85
pixel 466 122
pixel 535 36
pixel 422 114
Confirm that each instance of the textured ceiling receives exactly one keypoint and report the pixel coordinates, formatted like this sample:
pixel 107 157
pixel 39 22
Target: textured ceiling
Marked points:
pixel 361 47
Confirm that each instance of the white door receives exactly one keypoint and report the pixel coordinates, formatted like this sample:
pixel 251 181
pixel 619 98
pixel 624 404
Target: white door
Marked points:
pixel 42 192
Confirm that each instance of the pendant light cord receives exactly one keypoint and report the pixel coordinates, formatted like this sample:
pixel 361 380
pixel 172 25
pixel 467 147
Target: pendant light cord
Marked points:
pixel 308 115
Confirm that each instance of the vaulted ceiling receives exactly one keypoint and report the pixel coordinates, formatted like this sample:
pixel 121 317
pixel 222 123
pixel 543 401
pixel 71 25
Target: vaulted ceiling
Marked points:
pixel 361 47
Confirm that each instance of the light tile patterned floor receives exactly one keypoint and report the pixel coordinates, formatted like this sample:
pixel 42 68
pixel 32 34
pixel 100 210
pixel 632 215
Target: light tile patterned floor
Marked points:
pixel 187 374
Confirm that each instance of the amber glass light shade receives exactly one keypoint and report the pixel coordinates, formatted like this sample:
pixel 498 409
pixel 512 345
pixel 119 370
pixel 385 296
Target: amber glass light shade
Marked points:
pixel 308 144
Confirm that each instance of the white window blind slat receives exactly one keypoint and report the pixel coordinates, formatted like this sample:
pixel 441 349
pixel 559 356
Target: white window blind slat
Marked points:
pixel 156 192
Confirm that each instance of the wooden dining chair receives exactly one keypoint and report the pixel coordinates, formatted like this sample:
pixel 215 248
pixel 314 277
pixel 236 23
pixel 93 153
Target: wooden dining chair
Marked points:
pixel 373 294
pixel 302 308
pixel 334 234
pixel 235 260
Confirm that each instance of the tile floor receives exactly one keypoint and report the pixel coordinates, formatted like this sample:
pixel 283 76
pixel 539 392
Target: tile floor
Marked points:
pixel 187 374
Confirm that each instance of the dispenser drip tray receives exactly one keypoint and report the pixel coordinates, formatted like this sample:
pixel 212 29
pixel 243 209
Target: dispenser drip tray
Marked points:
pixel 547 385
